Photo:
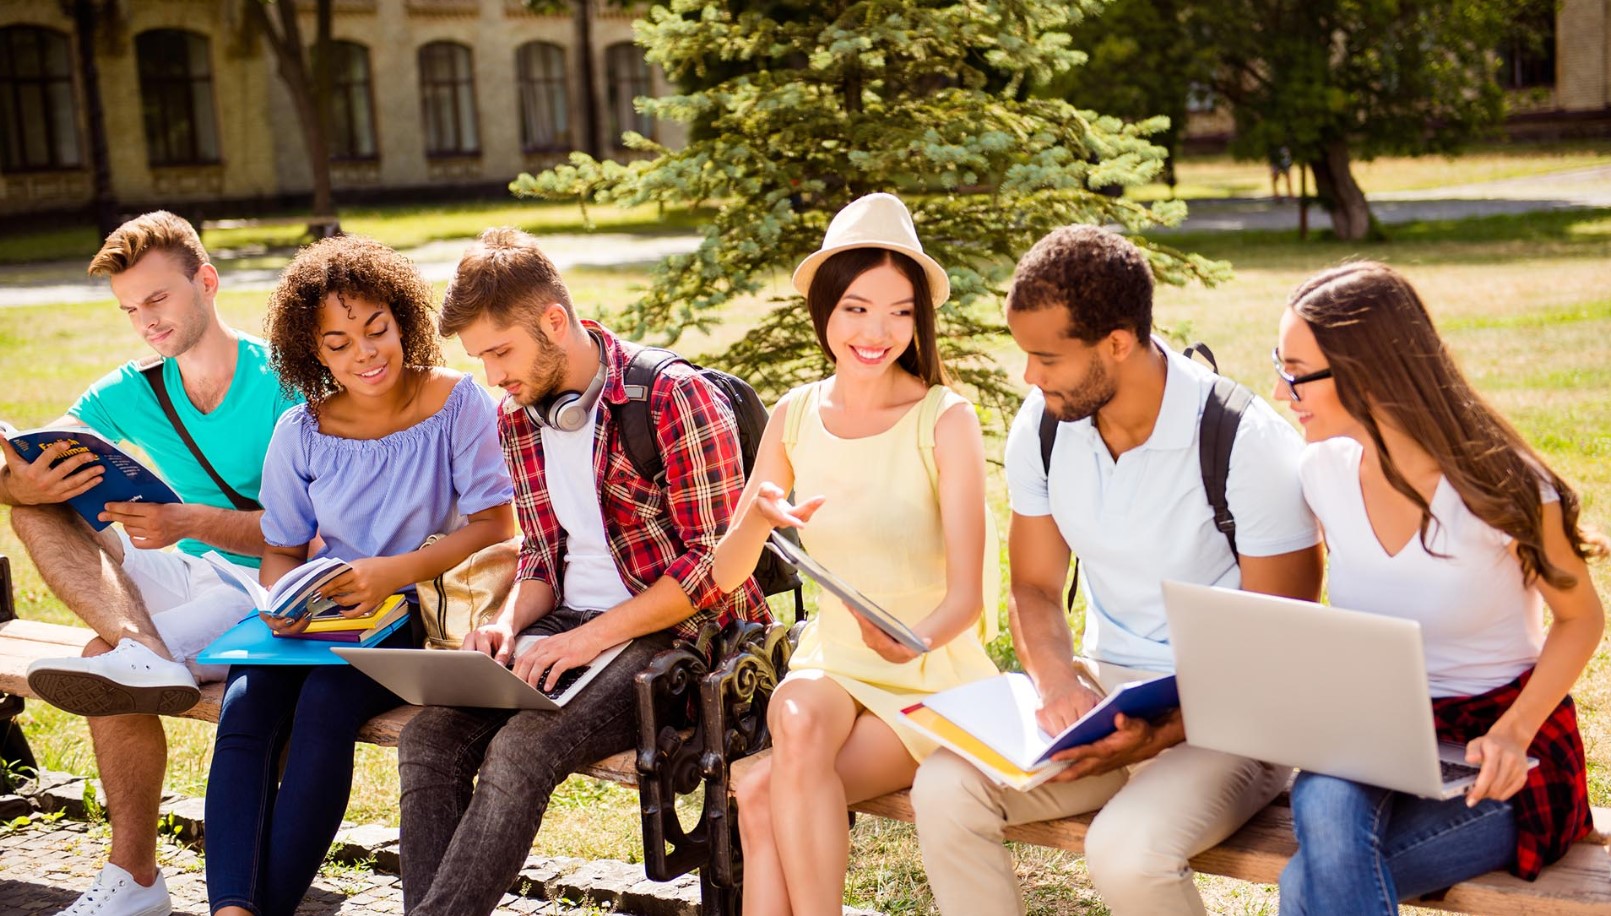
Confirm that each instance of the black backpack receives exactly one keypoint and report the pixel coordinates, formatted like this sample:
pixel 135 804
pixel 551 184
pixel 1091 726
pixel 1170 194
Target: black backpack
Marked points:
pixel 1222 413
pixel 772 574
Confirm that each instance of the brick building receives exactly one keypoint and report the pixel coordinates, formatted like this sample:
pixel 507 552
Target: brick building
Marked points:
pixel 429 96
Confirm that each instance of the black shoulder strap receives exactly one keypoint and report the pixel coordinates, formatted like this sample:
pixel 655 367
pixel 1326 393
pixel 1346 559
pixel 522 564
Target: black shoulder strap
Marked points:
pixel 632 417
pixel 1048 439
pixel 159 387
pixel 1222 413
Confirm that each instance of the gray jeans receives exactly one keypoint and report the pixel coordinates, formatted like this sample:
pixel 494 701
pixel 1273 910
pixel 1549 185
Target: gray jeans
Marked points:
pixel 475 782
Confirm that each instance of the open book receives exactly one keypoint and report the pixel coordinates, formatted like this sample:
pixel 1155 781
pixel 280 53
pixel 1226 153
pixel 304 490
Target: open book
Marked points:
pixel 992 724
pixel 859 604
pixel 125 480
pixel 295 596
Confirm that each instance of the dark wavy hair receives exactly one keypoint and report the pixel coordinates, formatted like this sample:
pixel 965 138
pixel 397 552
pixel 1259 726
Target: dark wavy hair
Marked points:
pixel 347 265
pixel 1099 277
pixel 1390 365
pixel 922 356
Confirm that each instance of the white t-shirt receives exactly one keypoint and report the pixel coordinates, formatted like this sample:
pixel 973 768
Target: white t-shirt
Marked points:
pixel 1481 625
pixel 1145 518
pixel 591 580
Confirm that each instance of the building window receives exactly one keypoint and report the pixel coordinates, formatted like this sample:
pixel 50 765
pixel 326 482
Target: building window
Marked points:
pixel 447 92
pixel 628 75
pixel 38 119
pixel 1527 58
pixel 540 67
pixel 352 106
pixel 176 94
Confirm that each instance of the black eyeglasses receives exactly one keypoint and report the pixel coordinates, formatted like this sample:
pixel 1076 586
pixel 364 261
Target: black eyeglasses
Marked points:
pixel 1293 381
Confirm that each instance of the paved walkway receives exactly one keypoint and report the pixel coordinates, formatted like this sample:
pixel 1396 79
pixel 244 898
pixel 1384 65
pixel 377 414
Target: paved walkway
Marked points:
pixel 44 284
pixel 44 867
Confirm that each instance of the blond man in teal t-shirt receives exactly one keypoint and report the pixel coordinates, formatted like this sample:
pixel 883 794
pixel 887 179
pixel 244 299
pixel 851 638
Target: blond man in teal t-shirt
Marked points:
pixel 152 609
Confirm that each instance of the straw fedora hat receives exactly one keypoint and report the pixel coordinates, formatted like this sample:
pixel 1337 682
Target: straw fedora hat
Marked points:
pixel 874 221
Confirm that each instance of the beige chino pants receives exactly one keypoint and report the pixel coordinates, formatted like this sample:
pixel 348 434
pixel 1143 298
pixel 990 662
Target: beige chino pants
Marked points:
pixel 1153 819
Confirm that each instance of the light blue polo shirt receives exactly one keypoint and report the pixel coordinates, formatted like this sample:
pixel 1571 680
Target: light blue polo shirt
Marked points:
pixel 234 436
pixel 1144 518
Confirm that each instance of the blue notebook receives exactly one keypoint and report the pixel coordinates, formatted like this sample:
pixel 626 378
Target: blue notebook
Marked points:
pixel 251 642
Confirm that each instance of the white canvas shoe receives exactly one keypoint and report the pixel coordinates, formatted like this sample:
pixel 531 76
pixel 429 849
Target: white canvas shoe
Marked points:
pixel 116 893
pixel 128 679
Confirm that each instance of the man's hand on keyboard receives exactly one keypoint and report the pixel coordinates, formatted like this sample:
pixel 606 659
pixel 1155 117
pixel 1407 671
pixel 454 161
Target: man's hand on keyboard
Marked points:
pixel 544 663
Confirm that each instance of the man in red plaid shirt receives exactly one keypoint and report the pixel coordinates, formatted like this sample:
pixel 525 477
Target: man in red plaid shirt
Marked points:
pixel 608 556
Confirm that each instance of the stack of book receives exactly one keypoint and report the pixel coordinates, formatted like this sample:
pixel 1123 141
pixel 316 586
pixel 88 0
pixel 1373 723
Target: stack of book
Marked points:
pixel 330 626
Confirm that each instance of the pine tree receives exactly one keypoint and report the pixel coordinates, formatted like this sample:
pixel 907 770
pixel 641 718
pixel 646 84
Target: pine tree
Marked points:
pixel 834 99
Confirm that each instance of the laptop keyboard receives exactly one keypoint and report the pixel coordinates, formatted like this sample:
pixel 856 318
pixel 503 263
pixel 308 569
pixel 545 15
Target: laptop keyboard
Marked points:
pixel 564 683
pixel 1456 771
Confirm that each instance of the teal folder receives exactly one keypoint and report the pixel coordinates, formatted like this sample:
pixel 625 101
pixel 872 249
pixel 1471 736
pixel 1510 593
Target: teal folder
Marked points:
pixel 250 642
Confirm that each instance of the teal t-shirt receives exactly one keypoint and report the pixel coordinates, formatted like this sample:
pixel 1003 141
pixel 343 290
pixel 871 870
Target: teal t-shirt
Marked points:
pixel 234 437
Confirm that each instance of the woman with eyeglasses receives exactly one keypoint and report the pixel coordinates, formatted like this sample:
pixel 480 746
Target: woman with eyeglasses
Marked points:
pixel 1435 509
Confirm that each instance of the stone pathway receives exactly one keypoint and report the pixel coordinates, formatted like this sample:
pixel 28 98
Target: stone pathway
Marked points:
pixel 44 867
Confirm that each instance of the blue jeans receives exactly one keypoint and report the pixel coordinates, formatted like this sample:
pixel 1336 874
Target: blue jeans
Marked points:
pixel 264 846
pixel 1362 849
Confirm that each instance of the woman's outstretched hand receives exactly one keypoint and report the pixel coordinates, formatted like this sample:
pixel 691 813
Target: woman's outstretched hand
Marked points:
pixel 774 506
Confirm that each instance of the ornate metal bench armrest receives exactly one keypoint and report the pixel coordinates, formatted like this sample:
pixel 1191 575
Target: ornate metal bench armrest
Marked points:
pixel 733 701
pixel 669 746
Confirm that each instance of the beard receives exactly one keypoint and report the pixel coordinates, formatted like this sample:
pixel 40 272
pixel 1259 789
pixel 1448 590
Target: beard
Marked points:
pixel 1092 395
pixel 546 376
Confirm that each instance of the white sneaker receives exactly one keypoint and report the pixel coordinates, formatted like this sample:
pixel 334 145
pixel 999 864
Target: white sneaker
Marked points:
pixel 128 679
pixel 116 893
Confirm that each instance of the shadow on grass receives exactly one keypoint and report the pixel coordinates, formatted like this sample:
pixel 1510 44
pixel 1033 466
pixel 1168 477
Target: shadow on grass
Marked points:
pixel 1566 233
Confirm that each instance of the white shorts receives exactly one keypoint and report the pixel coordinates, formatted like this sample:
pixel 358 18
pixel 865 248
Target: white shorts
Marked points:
pixel 189 604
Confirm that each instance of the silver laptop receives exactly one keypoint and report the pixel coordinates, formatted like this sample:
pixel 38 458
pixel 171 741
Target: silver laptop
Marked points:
pixel 458 678
pixel 1290 682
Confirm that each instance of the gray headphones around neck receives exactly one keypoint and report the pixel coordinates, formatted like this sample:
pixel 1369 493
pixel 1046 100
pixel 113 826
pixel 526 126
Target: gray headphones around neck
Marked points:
pixel 570 411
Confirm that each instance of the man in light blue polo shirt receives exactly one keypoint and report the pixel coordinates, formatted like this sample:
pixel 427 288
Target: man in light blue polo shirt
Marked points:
pixel 1125 494
pixel 152 609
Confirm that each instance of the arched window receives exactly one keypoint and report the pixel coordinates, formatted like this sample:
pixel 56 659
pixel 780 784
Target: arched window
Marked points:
pixel 540 68
pixel 38 119
pixel 447 94
pixel 628 77
pixel 176 94
pixel 352 106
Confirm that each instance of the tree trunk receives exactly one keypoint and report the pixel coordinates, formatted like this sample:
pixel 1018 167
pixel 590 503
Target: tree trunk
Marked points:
pixel 589 119
pixel 1334 183
pixel 86 16
pixel 286 42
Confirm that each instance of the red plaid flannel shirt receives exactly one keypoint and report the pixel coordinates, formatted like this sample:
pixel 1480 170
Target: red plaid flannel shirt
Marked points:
pixel 653 532
pixel 1552 809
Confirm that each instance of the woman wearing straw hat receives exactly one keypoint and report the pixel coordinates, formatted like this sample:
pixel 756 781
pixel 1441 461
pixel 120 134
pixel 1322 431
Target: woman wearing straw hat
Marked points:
pixel 890 463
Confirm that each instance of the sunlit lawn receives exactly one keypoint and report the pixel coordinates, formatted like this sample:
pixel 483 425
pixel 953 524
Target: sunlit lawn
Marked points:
pixel 1523 301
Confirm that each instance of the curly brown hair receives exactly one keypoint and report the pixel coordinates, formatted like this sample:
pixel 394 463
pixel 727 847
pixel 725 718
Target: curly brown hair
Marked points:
pixel 1100 277
pixel 348 265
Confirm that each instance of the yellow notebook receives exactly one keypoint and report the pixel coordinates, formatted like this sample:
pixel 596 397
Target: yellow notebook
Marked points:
pixel 377 617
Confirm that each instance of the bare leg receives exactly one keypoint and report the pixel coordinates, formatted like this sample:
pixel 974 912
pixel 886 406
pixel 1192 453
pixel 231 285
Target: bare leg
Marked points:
pixel 764 890
pixel 133 785
pixel 85 571
pixel 825 756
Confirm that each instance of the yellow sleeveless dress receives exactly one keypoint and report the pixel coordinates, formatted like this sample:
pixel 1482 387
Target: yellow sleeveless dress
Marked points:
pixel 880 531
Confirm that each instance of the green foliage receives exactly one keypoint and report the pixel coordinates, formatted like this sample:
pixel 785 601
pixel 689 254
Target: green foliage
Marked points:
pixel 1383 76
pixel 828 101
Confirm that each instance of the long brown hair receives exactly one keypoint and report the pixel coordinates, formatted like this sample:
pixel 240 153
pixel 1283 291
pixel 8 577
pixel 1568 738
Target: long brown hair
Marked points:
pixel 922 355
pixel 1390 366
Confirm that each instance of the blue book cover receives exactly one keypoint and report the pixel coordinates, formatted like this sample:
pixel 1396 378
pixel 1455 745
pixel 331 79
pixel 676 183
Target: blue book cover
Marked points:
pixel 1137 700
pixel 125 480
pixel 251 642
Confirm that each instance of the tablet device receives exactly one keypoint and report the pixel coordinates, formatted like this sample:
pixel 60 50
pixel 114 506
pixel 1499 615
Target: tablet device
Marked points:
pixel 858 603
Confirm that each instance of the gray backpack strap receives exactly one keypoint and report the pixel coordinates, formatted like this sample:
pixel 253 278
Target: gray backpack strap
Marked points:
pixel 1222 413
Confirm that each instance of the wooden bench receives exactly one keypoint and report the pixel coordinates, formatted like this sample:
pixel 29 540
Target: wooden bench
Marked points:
pixel 23 641
pixel 1578 885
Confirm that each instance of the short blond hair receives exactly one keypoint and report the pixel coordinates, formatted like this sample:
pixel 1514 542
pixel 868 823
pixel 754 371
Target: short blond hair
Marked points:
pixel 505 276
pixel 158 230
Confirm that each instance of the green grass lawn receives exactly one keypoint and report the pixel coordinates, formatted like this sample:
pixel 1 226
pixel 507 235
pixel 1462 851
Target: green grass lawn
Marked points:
pixel 1522 300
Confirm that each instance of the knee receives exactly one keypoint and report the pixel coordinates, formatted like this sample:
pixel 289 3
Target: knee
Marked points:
pixel 799 735
pixel 949 793
pixel 427 738
pixel 1125 854
pixel 1331 814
